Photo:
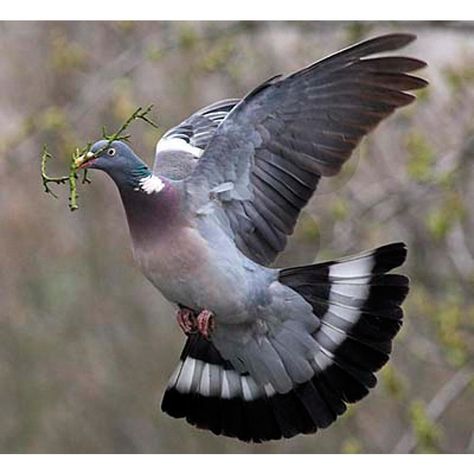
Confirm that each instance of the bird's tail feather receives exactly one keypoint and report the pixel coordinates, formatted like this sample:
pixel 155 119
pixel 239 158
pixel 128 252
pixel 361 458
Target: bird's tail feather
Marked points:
pixel 358 306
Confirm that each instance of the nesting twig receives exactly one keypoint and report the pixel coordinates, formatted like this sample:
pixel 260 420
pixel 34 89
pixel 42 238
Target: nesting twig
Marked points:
pixel 72 177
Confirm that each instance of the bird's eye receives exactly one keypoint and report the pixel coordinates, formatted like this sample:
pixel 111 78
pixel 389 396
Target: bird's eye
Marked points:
pixel 111 152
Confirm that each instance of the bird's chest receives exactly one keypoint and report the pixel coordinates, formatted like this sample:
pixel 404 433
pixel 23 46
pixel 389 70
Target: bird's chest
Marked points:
pixel 186 271
pixel 172 261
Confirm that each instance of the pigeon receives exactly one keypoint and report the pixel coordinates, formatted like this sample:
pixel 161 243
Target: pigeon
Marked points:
pixel 270 352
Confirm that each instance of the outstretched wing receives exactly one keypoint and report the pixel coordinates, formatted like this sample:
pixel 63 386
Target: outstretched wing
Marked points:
pixel 180 147
pixel 265 160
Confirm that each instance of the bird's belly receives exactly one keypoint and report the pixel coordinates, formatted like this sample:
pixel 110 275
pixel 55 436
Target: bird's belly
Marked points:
pixel 187 271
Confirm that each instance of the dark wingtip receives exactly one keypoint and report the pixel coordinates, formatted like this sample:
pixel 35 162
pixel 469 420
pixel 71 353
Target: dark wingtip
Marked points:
pixel 400 40
pixel 421 83
pixel 389 256
pixel 394 40
pixel 405 38
pixel 389 42
pixel 422 63
pixel 363 49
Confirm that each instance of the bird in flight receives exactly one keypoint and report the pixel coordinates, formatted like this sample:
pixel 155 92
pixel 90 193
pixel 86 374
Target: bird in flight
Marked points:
pixel 270 352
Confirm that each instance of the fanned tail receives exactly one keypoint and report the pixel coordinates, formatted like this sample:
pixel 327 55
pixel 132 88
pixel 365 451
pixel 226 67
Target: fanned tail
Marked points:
pixel 358 305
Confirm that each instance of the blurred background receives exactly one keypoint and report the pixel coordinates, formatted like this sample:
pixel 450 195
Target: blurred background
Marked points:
pixel 87 344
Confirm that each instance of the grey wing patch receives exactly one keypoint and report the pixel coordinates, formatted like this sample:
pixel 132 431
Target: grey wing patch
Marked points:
pixel 180 147
pixel 290 131
pixel 174 164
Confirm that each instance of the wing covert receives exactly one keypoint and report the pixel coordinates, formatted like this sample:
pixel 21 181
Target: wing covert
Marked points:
pixel 193 134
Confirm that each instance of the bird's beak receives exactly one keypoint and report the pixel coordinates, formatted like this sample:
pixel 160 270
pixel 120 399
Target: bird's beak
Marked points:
pixel 81 161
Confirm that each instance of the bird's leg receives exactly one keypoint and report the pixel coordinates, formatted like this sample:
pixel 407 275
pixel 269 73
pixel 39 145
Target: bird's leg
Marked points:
pixel 205 323
pixel 186 319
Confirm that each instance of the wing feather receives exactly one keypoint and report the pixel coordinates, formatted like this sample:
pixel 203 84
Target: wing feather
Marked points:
pixel 287 133
pixel 181 146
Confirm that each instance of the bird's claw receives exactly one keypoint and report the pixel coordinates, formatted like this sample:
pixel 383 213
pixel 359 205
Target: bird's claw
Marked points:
pixel 187 321
pixel 205 323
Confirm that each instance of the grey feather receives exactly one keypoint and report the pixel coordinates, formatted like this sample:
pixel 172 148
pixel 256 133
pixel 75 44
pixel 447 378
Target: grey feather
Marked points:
pixel 294 344
pixel 299 128
pixel 190 138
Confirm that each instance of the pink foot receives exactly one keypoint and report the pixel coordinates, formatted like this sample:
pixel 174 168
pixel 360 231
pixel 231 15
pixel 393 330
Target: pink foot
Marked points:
pixel 205 323
pixel 186 320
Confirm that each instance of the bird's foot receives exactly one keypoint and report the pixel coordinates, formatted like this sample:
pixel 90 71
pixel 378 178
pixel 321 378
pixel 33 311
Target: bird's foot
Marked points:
pixel 205 323
pixel 186 320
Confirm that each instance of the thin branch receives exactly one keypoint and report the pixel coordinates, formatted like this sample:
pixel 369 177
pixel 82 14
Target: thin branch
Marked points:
pixel 72 177
pixel 45 157
pixel 448 393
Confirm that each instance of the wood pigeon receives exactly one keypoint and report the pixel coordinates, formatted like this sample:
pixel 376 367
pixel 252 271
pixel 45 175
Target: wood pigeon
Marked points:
pixel 270 352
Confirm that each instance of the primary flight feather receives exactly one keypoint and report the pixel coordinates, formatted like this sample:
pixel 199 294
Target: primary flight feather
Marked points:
pixel 270 352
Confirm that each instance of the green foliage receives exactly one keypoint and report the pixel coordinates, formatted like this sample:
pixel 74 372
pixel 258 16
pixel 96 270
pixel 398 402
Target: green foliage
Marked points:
pixel 357 31
pixel 393 382
pixel 448 179
pixel 339 209
pixel 218 56
pixel 460 76
pixel 52 119
pixel 349 413
pixel 426 432
pixel 126 26
pixel 422 96
pixel 66 56
pixel 122 100
pixel 188 38
pixel 154 53
pixel 352 446
pixel 438 223
pixel 449 313
pixel 448 319
pixel 421 301
pixel 440 220
pixel 421 157
pixel 308 228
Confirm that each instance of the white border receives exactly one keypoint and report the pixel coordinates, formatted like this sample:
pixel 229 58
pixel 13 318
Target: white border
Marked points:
pixel 236 10
pixel 234 464
pixel 248 10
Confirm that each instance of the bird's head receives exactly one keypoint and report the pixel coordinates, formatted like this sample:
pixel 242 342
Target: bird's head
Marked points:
pixel 118 160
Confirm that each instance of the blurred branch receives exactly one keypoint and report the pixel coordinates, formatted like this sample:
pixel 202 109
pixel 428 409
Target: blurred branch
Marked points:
pixel 467 156
pixel 424 349
pixel 448 393
pixel 92 93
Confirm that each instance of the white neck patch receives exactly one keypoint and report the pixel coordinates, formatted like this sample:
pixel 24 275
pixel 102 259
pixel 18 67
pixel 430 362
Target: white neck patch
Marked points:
pixel 151 184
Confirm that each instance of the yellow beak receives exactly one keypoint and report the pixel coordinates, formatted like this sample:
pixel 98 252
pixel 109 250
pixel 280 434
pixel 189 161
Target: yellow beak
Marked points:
pixel 83 159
